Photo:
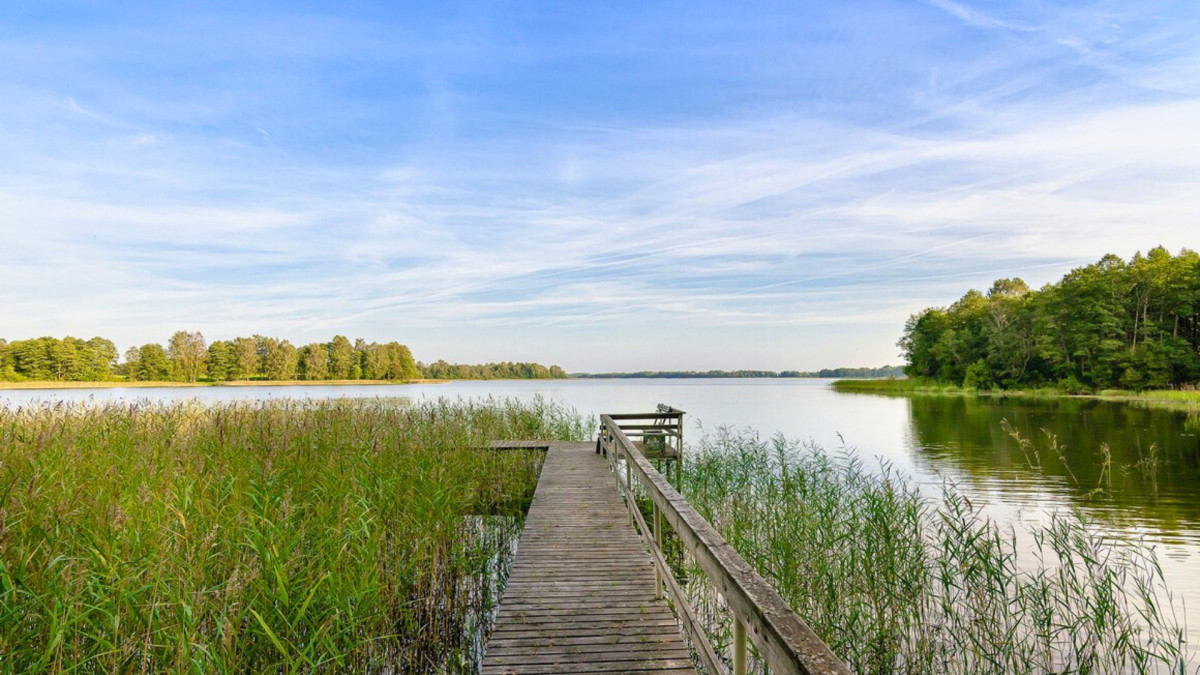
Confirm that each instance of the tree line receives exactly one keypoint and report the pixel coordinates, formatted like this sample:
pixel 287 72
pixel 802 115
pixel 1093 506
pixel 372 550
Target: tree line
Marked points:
pixel 1112 324
pixel 440 370
pixel 187 357
pixel 882 371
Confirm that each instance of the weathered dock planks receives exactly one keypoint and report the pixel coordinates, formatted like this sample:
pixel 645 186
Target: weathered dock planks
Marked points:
pixel 581 597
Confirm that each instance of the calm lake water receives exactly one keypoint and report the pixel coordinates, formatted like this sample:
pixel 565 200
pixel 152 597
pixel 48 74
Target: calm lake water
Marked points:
pixel 1147 487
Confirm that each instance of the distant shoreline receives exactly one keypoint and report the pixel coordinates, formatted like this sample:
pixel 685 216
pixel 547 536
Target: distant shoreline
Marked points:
pixel 880 372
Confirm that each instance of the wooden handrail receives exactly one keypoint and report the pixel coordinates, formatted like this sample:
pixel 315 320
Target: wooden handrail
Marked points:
pixel 645 427
pixel 785 641
pixel 674 414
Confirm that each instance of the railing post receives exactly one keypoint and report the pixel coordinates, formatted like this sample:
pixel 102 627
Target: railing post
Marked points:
pixel 739 647
pixel 678 456
pixel 629 485
pixel 658 580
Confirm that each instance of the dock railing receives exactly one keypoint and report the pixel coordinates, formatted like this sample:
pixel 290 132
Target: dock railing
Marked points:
pixel 657 435
pixel 783 640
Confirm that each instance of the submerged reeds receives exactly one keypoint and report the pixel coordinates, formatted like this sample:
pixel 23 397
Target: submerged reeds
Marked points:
pixel 899 582
pixel 292 536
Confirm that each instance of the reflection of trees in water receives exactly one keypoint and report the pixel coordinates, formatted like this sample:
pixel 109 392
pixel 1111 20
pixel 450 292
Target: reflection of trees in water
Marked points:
pixel 1151 470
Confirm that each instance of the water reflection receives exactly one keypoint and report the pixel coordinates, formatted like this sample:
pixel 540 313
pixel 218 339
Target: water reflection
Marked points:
pixel 1132 466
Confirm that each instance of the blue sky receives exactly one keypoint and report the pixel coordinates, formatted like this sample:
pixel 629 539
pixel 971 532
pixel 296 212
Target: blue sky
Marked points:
pixel 607 186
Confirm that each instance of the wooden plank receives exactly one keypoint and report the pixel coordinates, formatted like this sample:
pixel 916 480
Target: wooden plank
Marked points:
pixel 532 655
pixel 518 445
pixel 581 594
pixel 630 641
pixel 568 663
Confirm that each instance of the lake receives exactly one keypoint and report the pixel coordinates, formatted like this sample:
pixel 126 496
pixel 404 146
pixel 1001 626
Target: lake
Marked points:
pixel 1146 487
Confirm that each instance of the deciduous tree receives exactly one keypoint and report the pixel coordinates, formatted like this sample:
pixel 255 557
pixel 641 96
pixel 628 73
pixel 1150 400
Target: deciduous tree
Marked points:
pixel 187 353
pixel 152 364
pixel 341 358
pixel 314 362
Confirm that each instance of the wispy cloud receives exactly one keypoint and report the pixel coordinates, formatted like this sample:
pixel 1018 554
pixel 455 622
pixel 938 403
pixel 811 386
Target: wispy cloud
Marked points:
pixel 974 17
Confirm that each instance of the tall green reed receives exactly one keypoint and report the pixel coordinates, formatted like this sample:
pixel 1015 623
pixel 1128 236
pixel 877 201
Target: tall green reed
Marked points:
pixel 898 582
pixel 286 536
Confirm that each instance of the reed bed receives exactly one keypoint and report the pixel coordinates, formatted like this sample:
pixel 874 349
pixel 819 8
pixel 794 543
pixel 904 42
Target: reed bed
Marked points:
pixel 281 537
pixel 897 582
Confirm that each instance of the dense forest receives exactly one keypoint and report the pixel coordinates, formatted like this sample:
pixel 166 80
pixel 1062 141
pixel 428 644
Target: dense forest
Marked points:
pixel 1112 324
pixel 187 357
pixel 882 371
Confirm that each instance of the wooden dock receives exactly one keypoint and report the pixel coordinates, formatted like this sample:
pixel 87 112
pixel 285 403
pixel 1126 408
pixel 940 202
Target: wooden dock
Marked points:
pixel 587 587
pixel 581 596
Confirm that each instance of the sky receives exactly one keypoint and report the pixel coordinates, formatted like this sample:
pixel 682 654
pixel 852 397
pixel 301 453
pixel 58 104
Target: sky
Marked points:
pixel 607 186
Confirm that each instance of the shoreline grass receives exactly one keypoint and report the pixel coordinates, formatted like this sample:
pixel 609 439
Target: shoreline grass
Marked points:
pixel 1177 399
pixel 281 536
pixel 897 582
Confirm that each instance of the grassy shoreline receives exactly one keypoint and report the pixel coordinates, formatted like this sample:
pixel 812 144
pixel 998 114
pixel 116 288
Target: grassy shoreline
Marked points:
pixel 1164 398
